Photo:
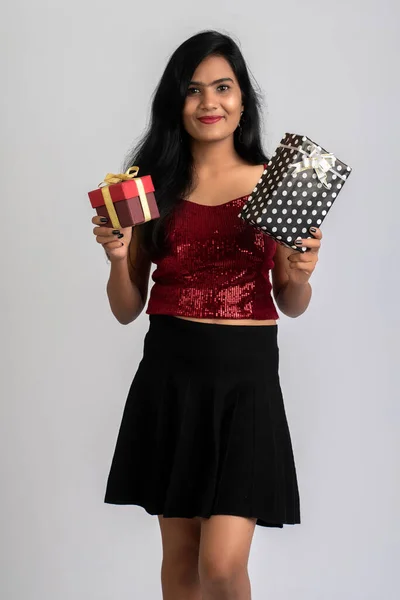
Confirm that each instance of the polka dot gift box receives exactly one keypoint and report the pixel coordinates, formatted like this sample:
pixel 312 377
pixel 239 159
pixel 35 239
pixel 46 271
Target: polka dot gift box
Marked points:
pixel 296 190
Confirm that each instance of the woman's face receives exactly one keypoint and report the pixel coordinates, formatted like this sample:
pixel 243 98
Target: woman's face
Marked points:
pixel 213 92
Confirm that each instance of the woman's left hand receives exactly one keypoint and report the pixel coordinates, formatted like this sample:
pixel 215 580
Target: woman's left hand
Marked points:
pixel 302 264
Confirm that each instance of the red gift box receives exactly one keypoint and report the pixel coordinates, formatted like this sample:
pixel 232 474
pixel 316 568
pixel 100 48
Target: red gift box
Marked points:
pixel 126 199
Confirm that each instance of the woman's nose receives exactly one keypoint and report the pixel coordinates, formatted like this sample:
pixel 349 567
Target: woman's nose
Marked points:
pixel 208 99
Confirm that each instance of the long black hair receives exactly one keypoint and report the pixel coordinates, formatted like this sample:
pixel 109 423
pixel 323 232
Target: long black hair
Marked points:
pixel 164 150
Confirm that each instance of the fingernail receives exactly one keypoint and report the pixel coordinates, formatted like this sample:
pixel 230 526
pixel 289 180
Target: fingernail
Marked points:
pixel 116 231
pixel 120 235
pixel 313 229
pixel 299 242
pixel 103 219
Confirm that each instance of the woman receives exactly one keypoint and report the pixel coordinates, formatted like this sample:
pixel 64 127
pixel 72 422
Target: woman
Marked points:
pixel 204 442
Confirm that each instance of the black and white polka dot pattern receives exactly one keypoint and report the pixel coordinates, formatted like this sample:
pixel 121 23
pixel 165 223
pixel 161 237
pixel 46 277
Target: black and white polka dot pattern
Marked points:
pixel 285 204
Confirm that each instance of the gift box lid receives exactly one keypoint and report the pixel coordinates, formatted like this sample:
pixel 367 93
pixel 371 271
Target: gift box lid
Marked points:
pixel 121 191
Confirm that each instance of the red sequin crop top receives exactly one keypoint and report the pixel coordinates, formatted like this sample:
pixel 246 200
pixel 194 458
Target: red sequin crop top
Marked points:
pixel 217 266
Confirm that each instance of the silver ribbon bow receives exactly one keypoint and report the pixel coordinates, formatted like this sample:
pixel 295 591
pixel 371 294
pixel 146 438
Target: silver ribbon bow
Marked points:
pixel 321 162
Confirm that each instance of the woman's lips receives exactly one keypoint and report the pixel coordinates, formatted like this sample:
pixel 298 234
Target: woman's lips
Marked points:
pixel 209 120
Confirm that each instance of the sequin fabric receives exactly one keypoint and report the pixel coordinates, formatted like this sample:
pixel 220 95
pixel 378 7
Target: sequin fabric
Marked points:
pixel 217 266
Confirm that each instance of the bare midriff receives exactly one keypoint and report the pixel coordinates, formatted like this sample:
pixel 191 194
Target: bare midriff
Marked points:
pixel 230 321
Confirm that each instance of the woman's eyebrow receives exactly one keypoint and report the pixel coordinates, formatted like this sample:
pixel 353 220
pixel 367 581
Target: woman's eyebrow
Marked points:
pixel 212 83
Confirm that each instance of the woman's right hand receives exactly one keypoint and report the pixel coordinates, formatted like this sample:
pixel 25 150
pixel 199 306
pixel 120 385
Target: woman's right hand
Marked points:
pixel 115 247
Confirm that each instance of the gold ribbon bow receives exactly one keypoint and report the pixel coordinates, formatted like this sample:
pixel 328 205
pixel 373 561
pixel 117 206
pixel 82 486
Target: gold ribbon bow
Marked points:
pixel 321 162
pixel 111 179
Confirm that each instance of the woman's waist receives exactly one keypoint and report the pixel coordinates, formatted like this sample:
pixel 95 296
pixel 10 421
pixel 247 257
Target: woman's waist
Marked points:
pixel 248 302
pixel 234 322
pixel 210 276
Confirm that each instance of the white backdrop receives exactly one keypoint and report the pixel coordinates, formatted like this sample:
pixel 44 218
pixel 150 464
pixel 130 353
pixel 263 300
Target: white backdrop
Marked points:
pixel 76 84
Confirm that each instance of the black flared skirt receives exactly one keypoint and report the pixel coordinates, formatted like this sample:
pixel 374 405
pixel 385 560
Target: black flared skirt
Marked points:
pixel 204 430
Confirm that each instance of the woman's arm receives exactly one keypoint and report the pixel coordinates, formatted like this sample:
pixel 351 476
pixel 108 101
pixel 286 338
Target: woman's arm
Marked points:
pixel 292 298
pixel 127 287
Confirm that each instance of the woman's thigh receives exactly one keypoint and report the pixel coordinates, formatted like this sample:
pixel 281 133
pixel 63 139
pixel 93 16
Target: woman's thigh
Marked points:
pixel 225 545
pixel 216 545
pixel 180 538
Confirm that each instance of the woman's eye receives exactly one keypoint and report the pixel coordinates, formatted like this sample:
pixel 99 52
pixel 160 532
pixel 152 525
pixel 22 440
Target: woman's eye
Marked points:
pixel 190 90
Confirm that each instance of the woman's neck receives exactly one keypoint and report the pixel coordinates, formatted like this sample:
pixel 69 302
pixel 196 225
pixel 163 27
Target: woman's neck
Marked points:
pixel 210 157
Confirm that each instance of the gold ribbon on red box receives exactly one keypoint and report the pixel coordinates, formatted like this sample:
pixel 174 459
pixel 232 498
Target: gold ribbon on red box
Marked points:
pixel 111 179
